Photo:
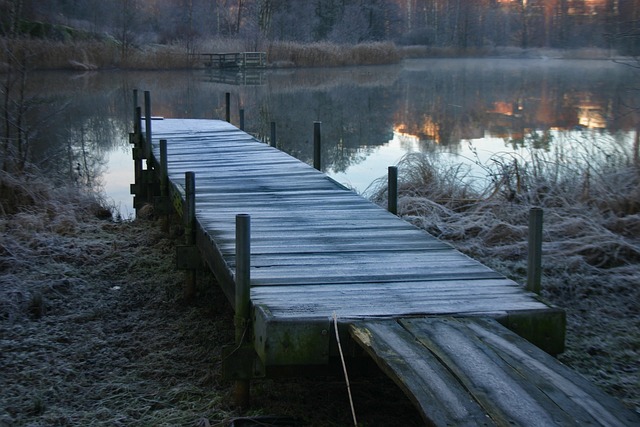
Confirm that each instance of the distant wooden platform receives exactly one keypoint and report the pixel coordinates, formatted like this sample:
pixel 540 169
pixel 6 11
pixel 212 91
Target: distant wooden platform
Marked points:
pixel 240 60
pixel 319 250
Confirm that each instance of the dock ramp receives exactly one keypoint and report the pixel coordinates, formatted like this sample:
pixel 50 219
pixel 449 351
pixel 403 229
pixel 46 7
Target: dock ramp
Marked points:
pixel 475 372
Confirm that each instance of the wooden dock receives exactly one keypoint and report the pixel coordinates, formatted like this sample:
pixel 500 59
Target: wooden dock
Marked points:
pixel 446 328
pixel 238 60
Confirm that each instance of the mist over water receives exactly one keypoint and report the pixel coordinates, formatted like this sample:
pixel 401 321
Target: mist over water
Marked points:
pixel 464 109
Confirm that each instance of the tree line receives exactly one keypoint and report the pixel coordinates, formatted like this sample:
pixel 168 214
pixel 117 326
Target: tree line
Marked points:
pixel 457 24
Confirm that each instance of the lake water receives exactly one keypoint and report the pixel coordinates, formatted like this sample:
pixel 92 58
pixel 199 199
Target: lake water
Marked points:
pixel 464 109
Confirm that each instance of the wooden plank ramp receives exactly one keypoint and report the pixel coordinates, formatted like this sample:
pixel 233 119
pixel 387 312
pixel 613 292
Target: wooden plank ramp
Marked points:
pixel 319 250
pixel 472 371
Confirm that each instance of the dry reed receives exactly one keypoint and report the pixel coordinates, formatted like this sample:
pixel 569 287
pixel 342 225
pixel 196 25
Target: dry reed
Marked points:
pixel 86 55
pixel 591 249
pixel 325 54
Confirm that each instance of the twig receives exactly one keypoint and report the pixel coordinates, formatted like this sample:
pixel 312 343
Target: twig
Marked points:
pixel 344 368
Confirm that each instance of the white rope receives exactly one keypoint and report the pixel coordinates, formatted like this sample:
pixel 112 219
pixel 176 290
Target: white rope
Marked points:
pixel 344 368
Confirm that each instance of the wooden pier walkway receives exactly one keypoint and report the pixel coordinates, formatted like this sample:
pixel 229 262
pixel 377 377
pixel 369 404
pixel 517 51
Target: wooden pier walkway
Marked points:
pixel 446 328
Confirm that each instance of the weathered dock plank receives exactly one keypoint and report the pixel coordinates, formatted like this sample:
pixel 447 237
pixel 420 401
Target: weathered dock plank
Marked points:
pixel 470 371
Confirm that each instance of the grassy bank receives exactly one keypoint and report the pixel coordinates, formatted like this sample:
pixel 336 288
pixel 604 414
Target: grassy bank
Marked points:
pixel 91 54
pixel 591 248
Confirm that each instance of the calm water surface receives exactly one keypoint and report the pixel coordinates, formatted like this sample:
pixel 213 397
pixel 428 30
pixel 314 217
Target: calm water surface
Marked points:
pixel 465 110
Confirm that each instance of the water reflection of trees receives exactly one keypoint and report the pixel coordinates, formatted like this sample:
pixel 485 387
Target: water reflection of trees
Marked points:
pixel 461 99
pixel 438 103
pixel 352 118
pixel 81 120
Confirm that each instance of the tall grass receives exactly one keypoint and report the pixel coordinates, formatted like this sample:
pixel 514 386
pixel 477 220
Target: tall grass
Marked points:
pixel 592 195
pixel 106 54
pixel 89 55
pixel 591 239
pixel 325 54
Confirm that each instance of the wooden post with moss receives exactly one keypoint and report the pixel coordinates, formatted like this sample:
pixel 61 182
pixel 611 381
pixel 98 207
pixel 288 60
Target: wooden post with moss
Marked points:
pixel 164 179
pixel 392 190
pixel 190 231
pixel 135 103
pixel 138 188
pixel 227 102
pixel 272 141
pixel 136 140
pixel 317 145
pixel 147 126
pixel 161 203
pixel 534 261
pixel 242 299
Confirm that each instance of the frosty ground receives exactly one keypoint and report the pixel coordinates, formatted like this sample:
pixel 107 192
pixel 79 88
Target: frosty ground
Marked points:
pixel 94 329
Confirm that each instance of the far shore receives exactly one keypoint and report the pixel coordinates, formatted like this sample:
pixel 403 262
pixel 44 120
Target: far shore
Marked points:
pixel 107 55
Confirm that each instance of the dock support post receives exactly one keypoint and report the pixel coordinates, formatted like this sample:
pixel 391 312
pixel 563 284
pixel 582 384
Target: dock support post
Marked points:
pixel 392 190
pixel 139 188
pixel 163 169
pixel 147 126
pixel 534 261
pixel 272 141
pixel 227 100
pixel 317 146
pixel 135 102
pixel 137 125
pixel 138 154
pixel 242 298
pixel 162 203
pixel 242 119
pixel 190 229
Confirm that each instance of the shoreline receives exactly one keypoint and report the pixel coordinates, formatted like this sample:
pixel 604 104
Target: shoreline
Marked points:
pixel 89 56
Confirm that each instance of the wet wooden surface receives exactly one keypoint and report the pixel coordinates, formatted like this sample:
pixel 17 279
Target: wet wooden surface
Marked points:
pixel 317 247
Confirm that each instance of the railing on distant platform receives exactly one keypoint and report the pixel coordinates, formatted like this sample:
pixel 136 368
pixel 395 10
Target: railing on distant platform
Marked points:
pixel 231 60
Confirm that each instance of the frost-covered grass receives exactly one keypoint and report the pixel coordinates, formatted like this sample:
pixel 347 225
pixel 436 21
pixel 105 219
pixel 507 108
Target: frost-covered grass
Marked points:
pixel 88 55
pixel 591 248
pixel 94 329
pixel 326 54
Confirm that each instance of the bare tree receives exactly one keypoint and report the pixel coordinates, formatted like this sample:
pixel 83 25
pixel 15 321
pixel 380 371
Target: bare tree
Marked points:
pixel 126 21
pixel 14 106
pixel 353 26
